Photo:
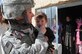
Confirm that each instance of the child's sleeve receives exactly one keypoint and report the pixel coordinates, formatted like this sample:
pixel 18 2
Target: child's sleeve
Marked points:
pixel 50 34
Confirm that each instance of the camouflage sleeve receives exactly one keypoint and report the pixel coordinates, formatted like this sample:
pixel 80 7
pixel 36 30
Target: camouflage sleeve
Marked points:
pixel 12 45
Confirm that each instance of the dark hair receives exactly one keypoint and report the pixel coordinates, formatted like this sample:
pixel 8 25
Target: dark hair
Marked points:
pixel 41 15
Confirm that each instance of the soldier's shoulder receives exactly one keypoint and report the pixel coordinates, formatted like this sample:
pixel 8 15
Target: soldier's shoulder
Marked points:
pixel 6 34
pixel 6 37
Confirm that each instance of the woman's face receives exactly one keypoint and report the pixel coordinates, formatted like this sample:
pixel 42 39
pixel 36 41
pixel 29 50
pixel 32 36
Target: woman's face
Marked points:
pixel 41 22
pixel 77 20
pixel 29 15
pixel 67 19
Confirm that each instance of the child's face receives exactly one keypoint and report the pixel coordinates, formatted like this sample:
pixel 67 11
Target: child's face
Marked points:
pixel 41 22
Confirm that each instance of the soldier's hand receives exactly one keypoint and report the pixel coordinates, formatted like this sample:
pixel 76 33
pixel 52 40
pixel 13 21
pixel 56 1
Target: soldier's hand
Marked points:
pixel 52 50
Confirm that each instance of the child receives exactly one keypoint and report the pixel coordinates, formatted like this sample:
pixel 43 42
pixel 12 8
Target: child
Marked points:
pixel 41 21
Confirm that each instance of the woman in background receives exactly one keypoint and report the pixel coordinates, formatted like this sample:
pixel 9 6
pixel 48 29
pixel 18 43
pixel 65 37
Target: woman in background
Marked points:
pixel 78 36
pixel 68 36
pixel 80 46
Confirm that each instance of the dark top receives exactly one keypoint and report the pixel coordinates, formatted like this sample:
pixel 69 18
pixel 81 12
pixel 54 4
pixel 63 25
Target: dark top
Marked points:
pixel 70 28
pixel 49 33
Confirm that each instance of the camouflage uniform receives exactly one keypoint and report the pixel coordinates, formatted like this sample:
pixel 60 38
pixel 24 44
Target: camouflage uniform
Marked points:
pixel 20 37
pixel 22 42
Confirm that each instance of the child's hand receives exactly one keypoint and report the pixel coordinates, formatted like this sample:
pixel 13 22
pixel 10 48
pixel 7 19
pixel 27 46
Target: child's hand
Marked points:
pixel 52 50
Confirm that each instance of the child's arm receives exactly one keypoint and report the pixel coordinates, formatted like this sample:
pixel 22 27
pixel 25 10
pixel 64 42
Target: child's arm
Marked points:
pixel 49 33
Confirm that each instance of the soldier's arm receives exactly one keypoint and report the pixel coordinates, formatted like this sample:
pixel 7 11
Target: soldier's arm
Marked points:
pixel 12 45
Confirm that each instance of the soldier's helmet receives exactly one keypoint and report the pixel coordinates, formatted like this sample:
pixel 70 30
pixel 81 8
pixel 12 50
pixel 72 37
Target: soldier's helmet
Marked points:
pixel 14 8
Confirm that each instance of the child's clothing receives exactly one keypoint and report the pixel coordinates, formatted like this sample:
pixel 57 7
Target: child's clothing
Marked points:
pixel 49 33
pixel 40 40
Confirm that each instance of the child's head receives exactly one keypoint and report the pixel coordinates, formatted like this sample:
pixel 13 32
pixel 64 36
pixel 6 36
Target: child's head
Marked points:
pixel 41 19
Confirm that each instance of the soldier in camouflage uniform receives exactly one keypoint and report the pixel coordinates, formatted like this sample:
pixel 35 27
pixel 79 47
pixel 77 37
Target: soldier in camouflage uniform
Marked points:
pixel 21 35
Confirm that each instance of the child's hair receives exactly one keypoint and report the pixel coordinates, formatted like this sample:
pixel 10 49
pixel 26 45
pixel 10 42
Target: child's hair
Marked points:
pixel 41 15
